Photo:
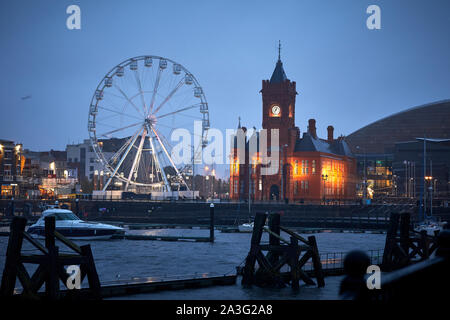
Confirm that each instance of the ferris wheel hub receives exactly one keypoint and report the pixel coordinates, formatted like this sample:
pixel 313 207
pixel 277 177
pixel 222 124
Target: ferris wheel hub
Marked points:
pixel 151 120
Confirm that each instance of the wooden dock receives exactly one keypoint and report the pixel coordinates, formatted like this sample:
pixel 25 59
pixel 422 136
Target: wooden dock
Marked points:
pixel 140 286
pixel 161 238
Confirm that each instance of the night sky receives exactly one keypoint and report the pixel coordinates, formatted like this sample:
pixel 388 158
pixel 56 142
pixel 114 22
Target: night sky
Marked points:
pixel 347 75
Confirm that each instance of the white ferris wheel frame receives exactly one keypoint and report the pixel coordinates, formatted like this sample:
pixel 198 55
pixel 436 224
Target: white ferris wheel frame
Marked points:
pixel 146 127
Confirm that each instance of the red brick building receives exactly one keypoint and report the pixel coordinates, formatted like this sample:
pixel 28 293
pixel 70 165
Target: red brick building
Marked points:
pixel 311 169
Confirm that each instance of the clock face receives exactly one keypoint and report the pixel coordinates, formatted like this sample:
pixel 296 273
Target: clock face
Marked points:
pixel 276 110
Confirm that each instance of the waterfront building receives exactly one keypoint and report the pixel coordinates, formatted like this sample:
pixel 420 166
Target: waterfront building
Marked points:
pixel 11 167
pixel 380 149
pixel 311 169
pixel 83 157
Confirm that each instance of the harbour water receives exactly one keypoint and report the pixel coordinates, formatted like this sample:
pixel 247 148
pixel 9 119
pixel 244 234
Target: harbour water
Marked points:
pixel 160 260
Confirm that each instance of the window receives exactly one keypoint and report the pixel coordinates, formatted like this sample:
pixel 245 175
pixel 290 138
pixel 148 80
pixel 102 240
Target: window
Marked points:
pixel 295 187
pixel 91 168
pixel 260 184
pixel 7 169
pixel 306 167
pixel 296 167
pixel 313 166
pixel 235 187
pixel 303 166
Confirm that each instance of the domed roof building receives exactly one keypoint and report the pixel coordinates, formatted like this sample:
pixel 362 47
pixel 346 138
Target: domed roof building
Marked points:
pixel 431 120
pixel 390 152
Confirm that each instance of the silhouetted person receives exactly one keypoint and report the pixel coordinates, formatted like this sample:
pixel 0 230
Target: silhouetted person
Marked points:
pixel 354 286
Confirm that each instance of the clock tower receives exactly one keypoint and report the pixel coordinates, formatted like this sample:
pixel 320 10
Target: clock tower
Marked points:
pixel 278 97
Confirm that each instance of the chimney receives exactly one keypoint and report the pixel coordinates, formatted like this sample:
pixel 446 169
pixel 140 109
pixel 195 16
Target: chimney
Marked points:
pixel 312 128
pixel 330 133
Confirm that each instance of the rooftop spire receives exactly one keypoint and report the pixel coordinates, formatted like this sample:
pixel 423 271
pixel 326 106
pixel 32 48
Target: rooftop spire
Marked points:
pixel 239 126
pixel 278 74
pixel 279 50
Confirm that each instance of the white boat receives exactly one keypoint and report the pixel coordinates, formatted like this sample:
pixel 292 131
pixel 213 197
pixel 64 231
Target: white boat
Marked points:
pixel 72 227
pixel 431 227
pixel 246 227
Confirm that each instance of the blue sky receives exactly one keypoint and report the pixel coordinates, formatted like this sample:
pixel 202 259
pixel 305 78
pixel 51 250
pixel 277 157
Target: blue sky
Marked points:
pixel 347 76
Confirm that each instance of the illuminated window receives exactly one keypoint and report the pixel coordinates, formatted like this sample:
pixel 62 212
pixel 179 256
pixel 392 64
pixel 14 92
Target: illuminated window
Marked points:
pixel 260 184
pixel 313 166
pixel 296 167
pixel 306 167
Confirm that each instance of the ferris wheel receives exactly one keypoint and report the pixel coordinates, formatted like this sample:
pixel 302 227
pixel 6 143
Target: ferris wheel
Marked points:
pixel 133 112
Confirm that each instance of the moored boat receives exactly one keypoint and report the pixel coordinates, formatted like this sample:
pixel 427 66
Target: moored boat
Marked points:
pixel 72 227
pixel 430 226
pixel 246 227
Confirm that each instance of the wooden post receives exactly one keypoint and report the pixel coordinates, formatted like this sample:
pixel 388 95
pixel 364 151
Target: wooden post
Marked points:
pixel 211 222
pixel 424 244
pixel 49 232
pixel 294 254
pixel 404 231
pixel 260 220
pixel 316 262
pixel 274 226
pixel 390 239
pixel 12 256
pixel 91 271
pixel 52 281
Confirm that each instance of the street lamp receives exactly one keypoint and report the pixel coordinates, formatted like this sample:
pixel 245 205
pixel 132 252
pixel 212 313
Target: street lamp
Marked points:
pixel 324 178
pixel 429 178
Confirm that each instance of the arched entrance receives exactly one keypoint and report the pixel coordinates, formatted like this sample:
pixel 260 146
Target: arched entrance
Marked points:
pixel 274 192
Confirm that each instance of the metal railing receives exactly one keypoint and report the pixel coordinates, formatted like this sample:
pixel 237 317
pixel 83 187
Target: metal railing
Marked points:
pixel 335 260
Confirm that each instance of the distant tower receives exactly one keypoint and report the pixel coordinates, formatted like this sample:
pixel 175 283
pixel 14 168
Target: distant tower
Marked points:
pixel 278 95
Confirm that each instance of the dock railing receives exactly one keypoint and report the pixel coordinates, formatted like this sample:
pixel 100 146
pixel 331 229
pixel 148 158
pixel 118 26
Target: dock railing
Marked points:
pixel 334 261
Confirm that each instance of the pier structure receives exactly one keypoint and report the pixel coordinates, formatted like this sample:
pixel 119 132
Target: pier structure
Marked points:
pixel 50 263
pixel 280 252
pixel 404 245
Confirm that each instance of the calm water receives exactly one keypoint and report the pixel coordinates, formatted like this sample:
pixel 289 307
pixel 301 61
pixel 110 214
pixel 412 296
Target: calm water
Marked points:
pixel 127 259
